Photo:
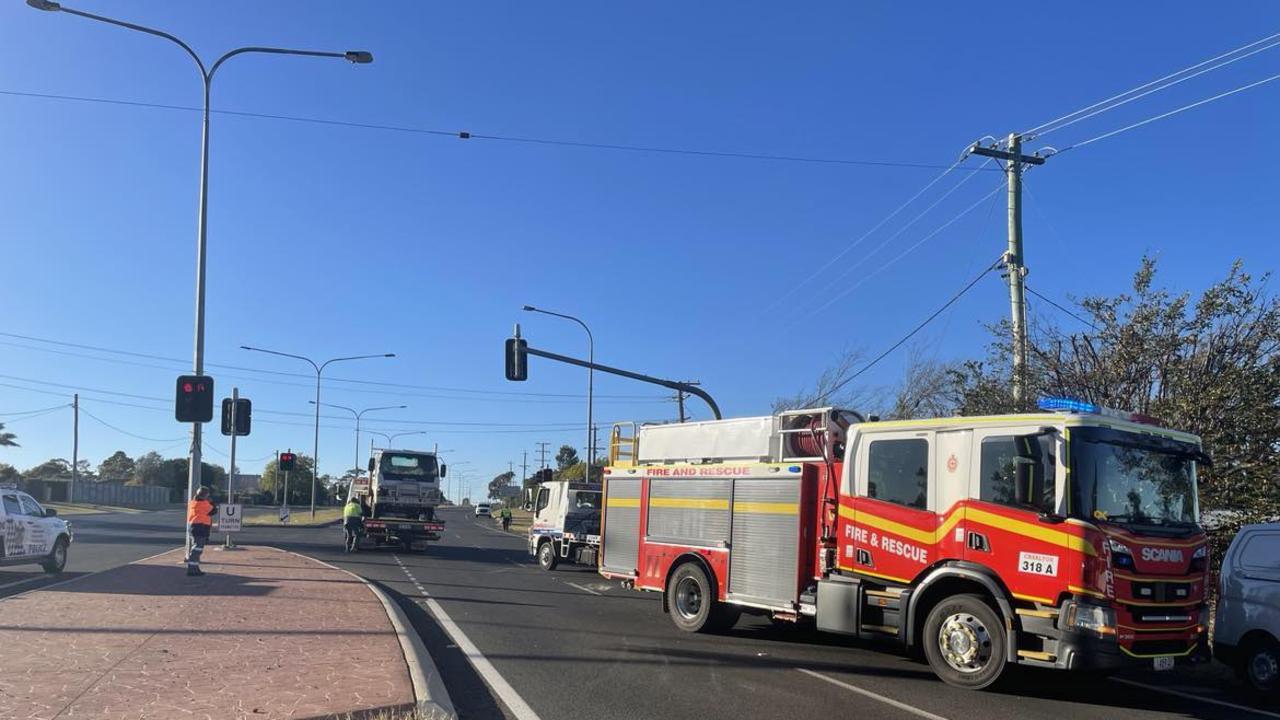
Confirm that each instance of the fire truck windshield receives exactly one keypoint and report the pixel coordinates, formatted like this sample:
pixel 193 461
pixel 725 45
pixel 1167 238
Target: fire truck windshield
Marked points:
pixel 408 467
pixel 1133 479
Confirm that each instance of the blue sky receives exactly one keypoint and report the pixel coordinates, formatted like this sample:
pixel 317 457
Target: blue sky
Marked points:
pixel 329 241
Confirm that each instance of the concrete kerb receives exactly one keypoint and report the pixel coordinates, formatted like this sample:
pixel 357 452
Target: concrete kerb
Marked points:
pixel 431 696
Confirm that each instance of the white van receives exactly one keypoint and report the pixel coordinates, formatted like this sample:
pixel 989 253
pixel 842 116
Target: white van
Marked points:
pixel 31 534
pixel 1247 626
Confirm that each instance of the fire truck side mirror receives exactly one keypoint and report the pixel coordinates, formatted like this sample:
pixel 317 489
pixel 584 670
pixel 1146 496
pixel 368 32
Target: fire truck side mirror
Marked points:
pixel 517 358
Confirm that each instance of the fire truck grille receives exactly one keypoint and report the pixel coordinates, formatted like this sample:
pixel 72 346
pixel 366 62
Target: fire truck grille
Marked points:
pixel 1161 591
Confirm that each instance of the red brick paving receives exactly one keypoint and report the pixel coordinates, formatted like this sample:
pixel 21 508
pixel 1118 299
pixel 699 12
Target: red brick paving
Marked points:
pixel 265 634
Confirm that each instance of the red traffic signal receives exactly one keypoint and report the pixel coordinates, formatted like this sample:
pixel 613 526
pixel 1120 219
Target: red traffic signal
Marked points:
pixel 193 400
pixel 288 461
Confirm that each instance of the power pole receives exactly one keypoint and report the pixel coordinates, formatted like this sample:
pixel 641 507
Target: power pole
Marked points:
pixel 1014 262
pixel 680 394
pixel 75 446
pixel 542 450
pixel 524 468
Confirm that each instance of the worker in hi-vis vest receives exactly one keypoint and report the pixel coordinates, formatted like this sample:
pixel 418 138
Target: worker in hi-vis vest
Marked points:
pixel 199 524
pixel 352 523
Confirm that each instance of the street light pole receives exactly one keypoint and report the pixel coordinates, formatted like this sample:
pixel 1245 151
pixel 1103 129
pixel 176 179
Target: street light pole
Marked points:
pixel 355 56
pixel 319 368
pixel 591 358
pixel 358 415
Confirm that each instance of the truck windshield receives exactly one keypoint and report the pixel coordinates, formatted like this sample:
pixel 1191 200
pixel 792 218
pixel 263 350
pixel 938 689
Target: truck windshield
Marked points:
pixel 408 467
pixel 1132 479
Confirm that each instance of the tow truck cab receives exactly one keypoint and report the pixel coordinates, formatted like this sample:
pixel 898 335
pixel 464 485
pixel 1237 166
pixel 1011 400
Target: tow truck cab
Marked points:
pixel 404 483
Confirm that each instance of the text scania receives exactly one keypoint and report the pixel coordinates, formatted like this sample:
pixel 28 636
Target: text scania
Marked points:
pixel 1161 554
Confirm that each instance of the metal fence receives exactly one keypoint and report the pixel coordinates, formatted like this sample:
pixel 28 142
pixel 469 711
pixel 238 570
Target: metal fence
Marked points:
pixel 108 493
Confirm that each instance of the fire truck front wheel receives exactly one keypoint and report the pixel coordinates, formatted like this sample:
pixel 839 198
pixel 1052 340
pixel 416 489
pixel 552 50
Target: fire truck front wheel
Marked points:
pixel 691 597
pixel 964 642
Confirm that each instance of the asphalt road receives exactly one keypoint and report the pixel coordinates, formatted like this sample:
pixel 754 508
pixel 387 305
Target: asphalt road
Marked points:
pixel 514 641
pixel 102 541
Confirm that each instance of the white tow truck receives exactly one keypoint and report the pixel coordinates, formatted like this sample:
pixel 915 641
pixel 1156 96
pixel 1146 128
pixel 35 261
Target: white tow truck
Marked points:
pixel 566 522
pixel 400 496
pixel 30 533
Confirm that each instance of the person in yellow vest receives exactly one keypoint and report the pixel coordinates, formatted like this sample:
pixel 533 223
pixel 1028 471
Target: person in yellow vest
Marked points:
pixel 505 514
pixel 352 523
pixel 200 513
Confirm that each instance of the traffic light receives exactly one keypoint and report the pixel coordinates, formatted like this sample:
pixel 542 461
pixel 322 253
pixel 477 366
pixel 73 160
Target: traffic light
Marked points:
pixel 244 410
pixel 194 399
pixel 517 359
pixel 288 461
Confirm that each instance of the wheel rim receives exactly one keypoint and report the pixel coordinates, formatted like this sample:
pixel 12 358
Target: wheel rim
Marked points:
pixel 1264 668
pixel 965 643
pixel 546 554
pixel 60 555
pixel 688 598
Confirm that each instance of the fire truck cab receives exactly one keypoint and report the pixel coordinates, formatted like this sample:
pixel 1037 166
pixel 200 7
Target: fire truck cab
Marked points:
pixel 1065 539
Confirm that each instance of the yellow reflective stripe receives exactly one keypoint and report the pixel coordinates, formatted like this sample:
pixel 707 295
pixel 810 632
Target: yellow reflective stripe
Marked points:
pixel 690 503
pixel 1131 653
pixel 1039 532
pixel 1018 527
pixel 771 508
pixel 1086 591
pixel 1033 598
pixel 623 502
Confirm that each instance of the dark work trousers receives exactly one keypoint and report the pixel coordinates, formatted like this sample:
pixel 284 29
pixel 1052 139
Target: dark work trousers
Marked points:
pixel 351 529
pixel 199 537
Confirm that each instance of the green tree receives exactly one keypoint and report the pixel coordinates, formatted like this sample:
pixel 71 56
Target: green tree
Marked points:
pixel 49 469
pixel 500 481
pixel 117 468
pixel 567 456
pixel 299 481
pixel 148 469
pixel 7 438
pixel 9 475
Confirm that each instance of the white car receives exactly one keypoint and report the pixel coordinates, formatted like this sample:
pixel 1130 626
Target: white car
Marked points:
pixel 1246 633
pixel 482 509
pixel 31 534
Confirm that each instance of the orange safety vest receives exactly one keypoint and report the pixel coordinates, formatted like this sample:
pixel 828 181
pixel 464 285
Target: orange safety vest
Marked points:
pixel 200 512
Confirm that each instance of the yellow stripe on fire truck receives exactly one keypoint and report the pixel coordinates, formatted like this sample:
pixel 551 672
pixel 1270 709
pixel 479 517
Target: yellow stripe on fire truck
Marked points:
pixel 982 517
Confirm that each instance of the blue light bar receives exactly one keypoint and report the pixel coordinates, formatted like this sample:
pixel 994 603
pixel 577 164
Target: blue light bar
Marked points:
pixel 1065 404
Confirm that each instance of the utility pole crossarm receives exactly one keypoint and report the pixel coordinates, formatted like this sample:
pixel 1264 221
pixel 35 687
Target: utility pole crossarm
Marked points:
pixel 1005 155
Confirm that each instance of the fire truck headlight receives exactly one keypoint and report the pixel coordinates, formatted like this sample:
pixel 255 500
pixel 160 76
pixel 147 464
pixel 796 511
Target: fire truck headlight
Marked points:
pixel 1121 555
pixel 1096 619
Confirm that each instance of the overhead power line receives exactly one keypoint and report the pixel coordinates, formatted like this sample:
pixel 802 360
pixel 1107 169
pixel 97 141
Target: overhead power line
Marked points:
pixel 1060 307
pixel 838 386
pixel 465 135
pixel 1171 113
pixel 126 432
pixel 1154 86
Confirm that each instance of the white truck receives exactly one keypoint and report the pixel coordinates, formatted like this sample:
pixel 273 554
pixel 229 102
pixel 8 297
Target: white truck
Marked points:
pixel 400 496
pixel 566 522
pixel 31 534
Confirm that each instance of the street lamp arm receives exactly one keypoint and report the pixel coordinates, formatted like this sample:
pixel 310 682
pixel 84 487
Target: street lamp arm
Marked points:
pixel 338 407
pixel 590 338
pixel 270 51
pixel 121 23
pixel 283 354
pixel 326 363
pixel 385 407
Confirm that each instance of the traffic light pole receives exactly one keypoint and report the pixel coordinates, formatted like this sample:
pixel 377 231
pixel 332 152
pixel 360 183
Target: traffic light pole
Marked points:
pixel 231 472
pixel 672 384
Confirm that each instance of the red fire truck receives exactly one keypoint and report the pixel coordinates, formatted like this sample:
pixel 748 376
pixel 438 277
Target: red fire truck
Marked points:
pixel 1064 539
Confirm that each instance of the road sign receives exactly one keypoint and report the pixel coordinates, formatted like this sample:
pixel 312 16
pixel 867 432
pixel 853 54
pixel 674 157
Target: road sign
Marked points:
pixel 284 515
pixel 229 518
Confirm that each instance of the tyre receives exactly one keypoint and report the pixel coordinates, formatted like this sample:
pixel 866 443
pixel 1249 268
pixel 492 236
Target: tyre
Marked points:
pixel 547 558
pixel 964 642
pixel 57 559
pixel 692 603
pixel 1260 666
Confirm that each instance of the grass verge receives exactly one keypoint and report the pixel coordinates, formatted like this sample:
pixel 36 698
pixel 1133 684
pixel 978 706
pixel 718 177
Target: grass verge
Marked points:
pixel 299 517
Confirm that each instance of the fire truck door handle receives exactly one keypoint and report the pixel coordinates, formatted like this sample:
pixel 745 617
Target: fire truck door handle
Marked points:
pixel 978 541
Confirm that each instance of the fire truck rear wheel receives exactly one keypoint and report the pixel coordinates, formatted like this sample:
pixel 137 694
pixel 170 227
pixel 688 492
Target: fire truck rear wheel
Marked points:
pixel 547 559
pixel 691 598
pixel 964 642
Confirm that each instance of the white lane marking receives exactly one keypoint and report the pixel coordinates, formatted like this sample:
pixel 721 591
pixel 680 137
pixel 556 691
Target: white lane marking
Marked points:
pixel 24 582
pixel 520 710
pixel 1190 696
pixel 875 696
pixel 582 588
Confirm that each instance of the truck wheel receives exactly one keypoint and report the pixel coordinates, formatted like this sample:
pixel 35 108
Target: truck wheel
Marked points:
pixel 964 642
pixel 1260 663
pixel 57 559
pixel 692 601
pixel 547 558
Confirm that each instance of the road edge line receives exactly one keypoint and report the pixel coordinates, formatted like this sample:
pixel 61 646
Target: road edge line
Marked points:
pixel 874 696
pixel 429 691
pixel 83 577
pixel 1193 696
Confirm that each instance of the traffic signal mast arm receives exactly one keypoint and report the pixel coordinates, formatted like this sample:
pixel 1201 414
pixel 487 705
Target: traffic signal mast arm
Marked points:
pixel 673 384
